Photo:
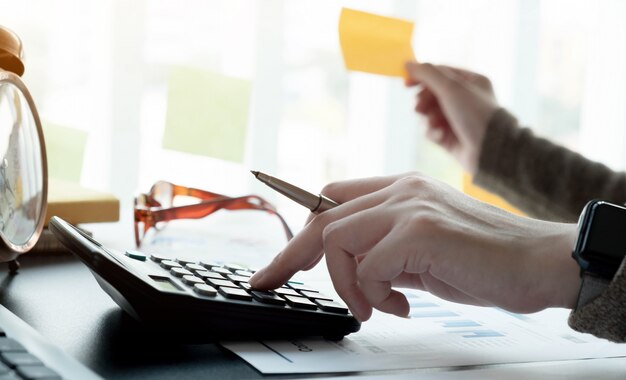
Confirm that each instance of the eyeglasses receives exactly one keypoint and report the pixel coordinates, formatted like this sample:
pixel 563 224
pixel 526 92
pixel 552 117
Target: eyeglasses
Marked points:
pixel 154 209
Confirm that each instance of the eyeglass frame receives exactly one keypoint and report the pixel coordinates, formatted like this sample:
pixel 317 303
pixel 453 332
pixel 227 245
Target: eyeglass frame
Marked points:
pixel 150 212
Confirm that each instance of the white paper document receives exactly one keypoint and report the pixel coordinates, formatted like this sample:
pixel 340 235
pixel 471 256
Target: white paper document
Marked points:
pixel 438 334
pixel 596 369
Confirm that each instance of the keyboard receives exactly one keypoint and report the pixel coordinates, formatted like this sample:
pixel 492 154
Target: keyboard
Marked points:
pixel 230 281
pixel 24 354
pixel 200 301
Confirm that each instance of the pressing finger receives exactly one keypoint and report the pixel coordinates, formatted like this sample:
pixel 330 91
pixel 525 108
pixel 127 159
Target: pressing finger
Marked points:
pixel 305 249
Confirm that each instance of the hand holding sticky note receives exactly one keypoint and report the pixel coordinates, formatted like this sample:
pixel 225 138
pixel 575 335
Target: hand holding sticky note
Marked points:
pixel 375 44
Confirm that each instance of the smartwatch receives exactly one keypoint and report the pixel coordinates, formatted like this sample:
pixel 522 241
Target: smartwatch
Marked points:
pixel 600 247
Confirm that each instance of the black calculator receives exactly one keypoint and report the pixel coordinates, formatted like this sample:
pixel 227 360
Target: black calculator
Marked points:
pixel 204 300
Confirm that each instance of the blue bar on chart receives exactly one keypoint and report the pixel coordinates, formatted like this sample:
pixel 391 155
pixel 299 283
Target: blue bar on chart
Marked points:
pixel 479 333
pixel 417 303
pixel 433 313
pixel 460 323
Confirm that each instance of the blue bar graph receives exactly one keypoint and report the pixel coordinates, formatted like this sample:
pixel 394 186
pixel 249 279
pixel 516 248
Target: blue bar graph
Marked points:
pixel 460 323
pixel 417 303
pixel 479 334
pixel 433 314
pixel 521 317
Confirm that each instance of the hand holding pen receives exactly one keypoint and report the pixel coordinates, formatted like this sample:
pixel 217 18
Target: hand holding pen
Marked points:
pixel 315 203
pixel 413 231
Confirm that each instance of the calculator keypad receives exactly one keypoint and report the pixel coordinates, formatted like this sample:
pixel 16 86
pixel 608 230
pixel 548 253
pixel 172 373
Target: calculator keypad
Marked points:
pixel 235 293
pixel 180 272
pixel 220 283
pixel 268 297
pixel 169 264
pixel 205 274
pixel 192 280
pixel 194 267
pixel 208 278
pixel 332 307
pixel 205 290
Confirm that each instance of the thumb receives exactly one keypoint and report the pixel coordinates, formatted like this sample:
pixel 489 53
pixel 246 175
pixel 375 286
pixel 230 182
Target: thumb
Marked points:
pixel 431 76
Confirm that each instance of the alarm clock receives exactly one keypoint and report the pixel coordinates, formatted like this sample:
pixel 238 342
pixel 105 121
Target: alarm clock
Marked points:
pixel 23 166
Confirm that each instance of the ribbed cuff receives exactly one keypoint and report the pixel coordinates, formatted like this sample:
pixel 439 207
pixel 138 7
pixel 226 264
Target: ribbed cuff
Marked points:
pixel 605 316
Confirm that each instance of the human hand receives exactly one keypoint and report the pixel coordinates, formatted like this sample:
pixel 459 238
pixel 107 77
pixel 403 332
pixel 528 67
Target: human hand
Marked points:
pixel 458 105
pixel 412 231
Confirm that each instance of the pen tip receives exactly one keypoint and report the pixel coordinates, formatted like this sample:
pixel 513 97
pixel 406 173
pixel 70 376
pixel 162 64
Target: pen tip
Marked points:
pixel 254 173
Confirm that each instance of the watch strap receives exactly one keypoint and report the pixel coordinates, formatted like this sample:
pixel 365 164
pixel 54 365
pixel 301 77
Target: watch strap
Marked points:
pixel 590 288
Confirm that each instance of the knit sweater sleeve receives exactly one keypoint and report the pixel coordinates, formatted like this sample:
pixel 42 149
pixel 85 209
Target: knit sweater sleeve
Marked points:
pixel 545 180
pixel 605 316
pixel 550 182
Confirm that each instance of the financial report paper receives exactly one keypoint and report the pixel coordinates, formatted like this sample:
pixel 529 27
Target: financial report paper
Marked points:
pixel 437 334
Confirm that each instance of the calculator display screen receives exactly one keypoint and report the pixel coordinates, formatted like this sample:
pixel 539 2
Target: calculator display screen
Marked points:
pixel 165 283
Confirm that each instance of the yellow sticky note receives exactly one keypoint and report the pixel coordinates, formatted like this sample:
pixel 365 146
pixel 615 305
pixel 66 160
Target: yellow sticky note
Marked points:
pixel 375 44
pixel 483 195
pixel 207 113
pixel 65 150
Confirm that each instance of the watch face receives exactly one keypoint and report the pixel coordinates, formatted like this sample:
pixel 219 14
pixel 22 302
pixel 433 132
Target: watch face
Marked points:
pixel 601 244
pixel 23 183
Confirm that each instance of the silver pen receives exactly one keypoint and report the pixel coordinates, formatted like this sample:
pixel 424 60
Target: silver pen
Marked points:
pixel 315 203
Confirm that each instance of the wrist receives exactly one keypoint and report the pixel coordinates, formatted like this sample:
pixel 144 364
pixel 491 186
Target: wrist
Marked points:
pixel 558 273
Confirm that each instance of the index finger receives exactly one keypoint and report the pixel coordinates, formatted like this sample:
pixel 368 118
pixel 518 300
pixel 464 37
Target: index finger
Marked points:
pixel 306 248
pixel 301 252
pixel 344 191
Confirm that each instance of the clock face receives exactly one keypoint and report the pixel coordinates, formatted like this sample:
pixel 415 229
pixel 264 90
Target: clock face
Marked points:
pixel 22 166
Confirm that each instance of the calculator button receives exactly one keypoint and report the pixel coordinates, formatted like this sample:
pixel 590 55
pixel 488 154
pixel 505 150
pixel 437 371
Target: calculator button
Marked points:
pixel 136 255
pixel 221 270
pixel 184 261
pixel 158 258
pixel 245 273
pixel 205 290
pixel 210 264
pixel 234 267
pixel 301 286
pixel 220 283
pixel 194 267
pixel 9 344
pixel 180 272
pixel 236 278
pixel 169 264
pixel 332 307
pixel 192 280
pixel 300 303
pixel 316 295
pixel 206 274
pixel 14 359
pixel 287 292
pixel 245 285
pixel 267 297
pixel 37 372
pixel 235 293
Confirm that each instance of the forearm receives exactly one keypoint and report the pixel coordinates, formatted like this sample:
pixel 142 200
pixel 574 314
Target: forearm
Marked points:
pixel 543 179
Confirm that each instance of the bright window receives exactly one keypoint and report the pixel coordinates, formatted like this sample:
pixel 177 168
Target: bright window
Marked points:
pixel 268 78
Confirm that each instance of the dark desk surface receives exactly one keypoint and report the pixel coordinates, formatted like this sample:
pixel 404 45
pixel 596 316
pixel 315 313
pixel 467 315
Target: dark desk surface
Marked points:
pixel 58 296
